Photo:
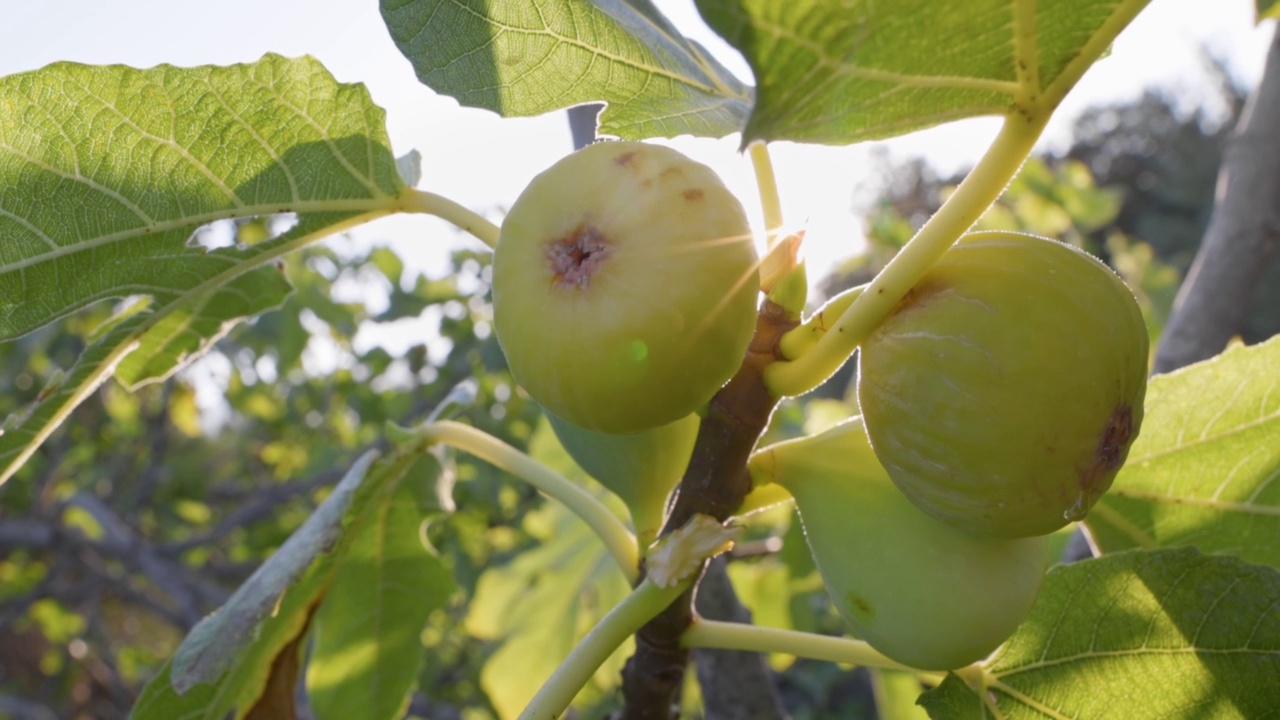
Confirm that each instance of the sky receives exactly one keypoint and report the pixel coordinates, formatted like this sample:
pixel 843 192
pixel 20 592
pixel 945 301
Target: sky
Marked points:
pixel 483 161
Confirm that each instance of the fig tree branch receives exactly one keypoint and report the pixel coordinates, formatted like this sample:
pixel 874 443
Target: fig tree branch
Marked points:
pixel 1242 235
pixel 751 692
pixel 715 484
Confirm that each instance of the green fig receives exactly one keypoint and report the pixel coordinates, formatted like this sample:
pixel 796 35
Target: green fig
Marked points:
pixel 1002 394
pixel 641 468
pixel 918 590
pixel 624 287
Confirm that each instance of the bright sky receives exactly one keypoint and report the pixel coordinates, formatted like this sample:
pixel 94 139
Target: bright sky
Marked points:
pixel 483 161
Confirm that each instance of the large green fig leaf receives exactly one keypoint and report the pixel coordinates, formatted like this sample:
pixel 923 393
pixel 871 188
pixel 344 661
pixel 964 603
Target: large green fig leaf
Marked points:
pixel 225 661
pixel 368 652
pixel 107 173
pixel 355 574
pixel 1205 470
pixel 838 71
pixel 527 58
pixel 1141 634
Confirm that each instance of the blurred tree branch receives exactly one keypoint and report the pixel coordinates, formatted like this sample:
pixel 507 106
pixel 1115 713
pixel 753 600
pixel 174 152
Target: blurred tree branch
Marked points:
pixel 1242 236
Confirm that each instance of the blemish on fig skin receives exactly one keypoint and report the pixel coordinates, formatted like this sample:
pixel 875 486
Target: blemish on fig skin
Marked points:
pixel 625 159
pixel 577 256
pixel 693 194
pixel 860 607
pixel 1112 448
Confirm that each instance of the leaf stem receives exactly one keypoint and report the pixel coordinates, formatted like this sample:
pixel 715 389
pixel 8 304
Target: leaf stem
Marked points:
pixel 645 602
pixel 754 638
pixel 615 535
pixel 421 201
pixel 770 202
pixel 801 339
pixel 981 188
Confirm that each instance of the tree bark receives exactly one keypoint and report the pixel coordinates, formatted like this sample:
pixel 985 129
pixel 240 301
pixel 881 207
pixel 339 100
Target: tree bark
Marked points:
pixel 736 685
pixel 1242 235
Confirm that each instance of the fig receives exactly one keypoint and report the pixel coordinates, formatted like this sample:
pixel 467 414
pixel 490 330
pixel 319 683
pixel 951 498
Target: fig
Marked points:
pixel 641 468
pixel 916 589
pixel 1003 392
pixel 624 287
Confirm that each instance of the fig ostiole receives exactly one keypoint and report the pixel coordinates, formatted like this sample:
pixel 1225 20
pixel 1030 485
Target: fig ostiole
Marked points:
pixel 1003 392
pixel 918 590
pixel 640 468
pixel 624 287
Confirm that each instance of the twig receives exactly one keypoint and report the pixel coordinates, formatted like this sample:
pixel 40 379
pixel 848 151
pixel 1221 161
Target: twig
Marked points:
pixel 715 484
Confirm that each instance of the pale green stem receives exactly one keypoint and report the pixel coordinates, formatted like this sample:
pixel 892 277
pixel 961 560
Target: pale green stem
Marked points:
pixel 421 201
pixel 981 188
pixel 770 202
pixel 642 605
pixel 800 339
pixel 615 535
pixel 754 638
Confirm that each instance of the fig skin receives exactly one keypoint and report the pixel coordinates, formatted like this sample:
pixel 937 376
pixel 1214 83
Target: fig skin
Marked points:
pixel 641 468
pixel 1002 394
pixel 918 590
pixel 624 287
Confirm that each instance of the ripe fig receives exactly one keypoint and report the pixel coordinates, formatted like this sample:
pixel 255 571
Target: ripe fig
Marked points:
pixel 641 468
pixel 1002 394
pixel 918 590
pixel 624 287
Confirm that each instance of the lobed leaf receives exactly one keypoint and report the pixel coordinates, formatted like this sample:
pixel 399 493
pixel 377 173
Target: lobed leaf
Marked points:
pixel 367 650
pixel 226 661
pixel 1205 469
pixel 1166 633
pixel 521 59
pixel 213 644
pixel 833 71
pixel 106 173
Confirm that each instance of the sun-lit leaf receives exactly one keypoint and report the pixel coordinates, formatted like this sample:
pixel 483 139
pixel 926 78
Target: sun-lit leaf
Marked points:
pixel 227 659
pixel 1205 469
pixel 541 605
pixel 1166 633
pixel 367 651
pixel 832 71
pixel 279 697
pixel 106 172
pixel 1267 9
pixel 244 683
pixel 546 599
pixel 521 59
pixel 212 645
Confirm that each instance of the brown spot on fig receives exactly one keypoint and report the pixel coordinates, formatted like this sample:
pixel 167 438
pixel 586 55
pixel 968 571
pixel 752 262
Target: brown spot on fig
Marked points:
pixel 576 256
pixel 860 607
pixel 626 158
pixel 693 194
pixel 1109 455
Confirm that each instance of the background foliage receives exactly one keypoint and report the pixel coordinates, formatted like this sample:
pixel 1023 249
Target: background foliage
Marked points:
pixel 147 509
